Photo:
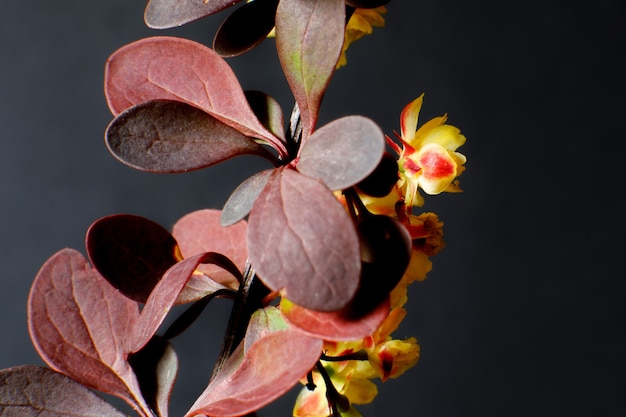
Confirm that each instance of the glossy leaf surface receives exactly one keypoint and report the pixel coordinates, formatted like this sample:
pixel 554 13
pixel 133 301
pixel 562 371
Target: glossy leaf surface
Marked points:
pixel 302 241
pixel 270 361
pixel 338 326
pixel 131 252
pixel 165 14
pixel 243 197
pixel 35 391
pixel 168 68
pixel 171 136
pixel 309 38
pixel 343 152
pixel 200 232
pixel 80 324
pixel 245 28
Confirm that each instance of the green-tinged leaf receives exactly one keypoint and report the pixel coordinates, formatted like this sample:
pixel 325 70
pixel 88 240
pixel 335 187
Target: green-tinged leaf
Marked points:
pixel 166 293
pixel 156 367
pixel 242 199
pixel 171 136
pixel 245 28
pixel 166 14
pixel 268 111
pixel 263 322
pixel 131 252
pixel 338 326
pixel 273 360
pixel 301 241
pixel 168 68
pixel 80 325
pixel 366 4
pixel 309 38
pixel 201 232
pixel 343 152
pixel 35 391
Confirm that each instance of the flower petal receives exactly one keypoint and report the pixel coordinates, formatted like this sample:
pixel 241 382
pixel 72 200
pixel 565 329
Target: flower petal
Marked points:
pixel 408 119
pixel 438 168
pixel 447 136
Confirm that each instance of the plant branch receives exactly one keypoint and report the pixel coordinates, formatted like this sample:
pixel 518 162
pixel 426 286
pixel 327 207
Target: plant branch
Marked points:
pixel 249 298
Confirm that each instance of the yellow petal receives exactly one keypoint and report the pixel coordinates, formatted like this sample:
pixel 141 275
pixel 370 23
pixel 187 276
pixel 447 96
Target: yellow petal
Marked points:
pixel 419 266
pixel 438 171
pixel 395 357
pixel 312 403
pixel 447 136
pixel 408 119
pixel 361 391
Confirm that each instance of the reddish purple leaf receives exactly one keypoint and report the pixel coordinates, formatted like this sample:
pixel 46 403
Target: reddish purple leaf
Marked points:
pixel 80 324
pixel 309 38
pixel 35 391
pixel 302 241
pixel 343 152
pixel 168 68
pixel 338 326
pixel 200 232
pixel 245 28
pixel 270 361
pixel 131 252
pixel 166 14
pixel 167 136
pixel 165 295
pixel 242 199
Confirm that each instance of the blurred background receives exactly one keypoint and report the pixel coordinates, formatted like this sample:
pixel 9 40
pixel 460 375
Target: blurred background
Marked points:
pixel 523 312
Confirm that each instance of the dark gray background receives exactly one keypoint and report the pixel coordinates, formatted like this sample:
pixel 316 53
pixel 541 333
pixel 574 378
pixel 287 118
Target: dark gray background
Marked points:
pixel 522 314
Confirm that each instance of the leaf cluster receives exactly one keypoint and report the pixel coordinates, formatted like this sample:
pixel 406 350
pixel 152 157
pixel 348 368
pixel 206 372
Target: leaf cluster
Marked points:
pixel 296 250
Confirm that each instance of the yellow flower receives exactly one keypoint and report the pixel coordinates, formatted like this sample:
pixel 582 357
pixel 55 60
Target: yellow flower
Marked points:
pixel 375 356
pixel 361 23
pixel 427 156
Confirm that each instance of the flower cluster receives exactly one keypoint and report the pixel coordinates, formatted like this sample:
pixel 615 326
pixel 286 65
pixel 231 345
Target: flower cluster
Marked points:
pixel 343 376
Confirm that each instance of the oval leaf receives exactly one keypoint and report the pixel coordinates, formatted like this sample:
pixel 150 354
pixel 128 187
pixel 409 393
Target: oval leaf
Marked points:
pixel 168 68
pixel 245 28
pixel 271 363
pixel 242 199
pixel 337 326
pixel 302 241
pixel 171 136
pixel 79 325
pixel 343 152
pixel 131 252
pixel 166 14
pixel 34 391
pixel 309 38
pixel 201 231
